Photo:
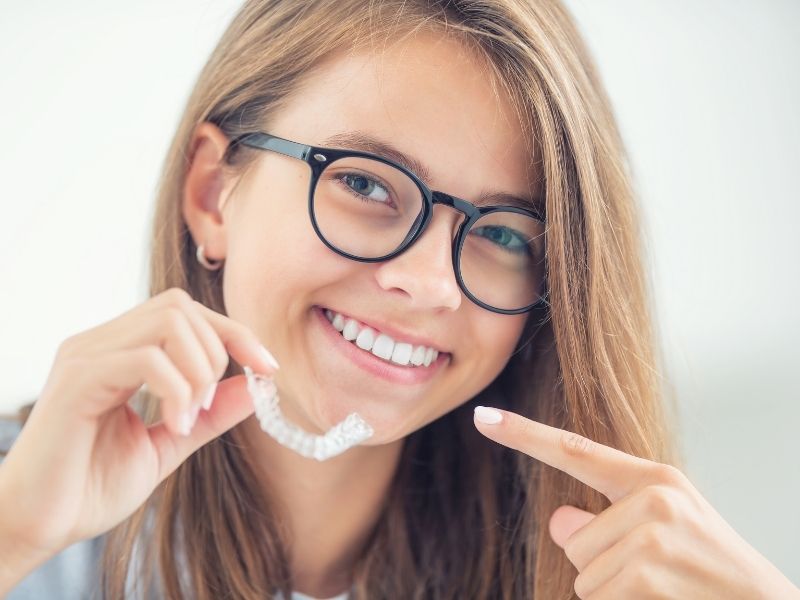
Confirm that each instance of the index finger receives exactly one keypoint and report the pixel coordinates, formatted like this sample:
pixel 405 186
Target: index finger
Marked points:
pixel 240 342
pixel 611 472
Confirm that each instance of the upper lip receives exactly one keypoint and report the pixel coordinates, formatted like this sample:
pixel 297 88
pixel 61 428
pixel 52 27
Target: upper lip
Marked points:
pixel 392 331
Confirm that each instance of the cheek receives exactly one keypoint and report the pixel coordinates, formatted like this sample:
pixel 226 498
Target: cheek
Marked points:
pixel 271 237
pixel 270 266
pixel 491 339
pixel 497 337
pixel 272 250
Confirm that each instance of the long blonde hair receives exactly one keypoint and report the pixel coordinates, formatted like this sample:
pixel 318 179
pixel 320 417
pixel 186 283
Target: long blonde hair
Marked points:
pixel 465 518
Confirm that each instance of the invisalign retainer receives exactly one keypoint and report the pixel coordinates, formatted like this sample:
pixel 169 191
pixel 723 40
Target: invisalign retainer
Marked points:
pixel 352 430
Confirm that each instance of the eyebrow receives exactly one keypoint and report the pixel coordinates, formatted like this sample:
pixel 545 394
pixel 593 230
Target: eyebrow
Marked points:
pixel 359 140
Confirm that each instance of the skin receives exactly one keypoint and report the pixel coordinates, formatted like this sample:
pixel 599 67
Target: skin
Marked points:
pixel 659 538
pixel 432 100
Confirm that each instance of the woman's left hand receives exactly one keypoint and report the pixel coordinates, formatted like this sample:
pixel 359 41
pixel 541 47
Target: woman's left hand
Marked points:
pixel 659 538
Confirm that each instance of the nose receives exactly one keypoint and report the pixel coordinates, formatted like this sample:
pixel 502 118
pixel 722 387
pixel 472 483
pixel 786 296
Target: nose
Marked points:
pixel 425 270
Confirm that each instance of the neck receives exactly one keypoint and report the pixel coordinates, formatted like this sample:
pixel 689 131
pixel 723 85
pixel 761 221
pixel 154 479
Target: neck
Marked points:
pixel 331 506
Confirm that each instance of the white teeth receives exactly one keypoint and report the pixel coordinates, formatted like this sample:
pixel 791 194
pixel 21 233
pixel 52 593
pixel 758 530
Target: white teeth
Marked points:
pixel 402 353
pixel 380 344
pixel 350 331
pixel 418 356
pixel 382 348
pixel 428 357
pixel 365 339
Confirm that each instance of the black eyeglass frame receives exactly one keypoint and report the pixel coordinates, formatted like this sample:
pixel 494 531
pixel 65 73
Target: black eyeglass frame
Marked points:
pixel 318 158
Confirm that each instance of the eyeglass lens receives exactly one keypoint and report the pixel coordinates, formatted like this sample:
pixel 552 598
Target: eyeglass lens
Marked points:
pixel 367 208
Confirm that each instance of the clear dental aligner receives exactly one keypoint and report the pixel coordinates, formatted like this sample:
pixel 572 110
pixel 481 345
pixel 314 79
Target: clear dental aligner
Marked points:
pixel 352 430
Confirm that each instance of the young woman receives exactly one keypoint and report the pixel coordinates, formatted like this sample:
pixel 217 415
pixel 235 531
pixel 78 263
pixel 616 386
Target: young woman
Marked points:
pixel 423 210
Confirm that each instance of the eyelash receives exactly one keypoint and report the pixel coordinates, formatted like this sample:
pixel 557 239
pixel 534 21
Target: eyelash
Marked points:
pixel 523 249
pixel 371 178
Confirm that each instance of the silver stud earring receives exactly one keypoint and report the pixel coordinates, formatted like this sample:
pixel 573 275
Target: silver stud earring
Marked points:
pixel 205 262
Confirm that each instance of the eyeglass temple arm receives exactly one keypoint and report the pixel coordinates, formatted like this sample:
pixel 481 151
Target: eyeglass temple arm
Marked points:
pixel 266 141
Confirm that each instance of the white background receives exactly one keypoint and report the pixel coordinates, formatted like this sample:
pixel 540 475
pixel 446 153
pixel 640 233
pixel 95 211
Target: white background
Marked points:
pixel 706 94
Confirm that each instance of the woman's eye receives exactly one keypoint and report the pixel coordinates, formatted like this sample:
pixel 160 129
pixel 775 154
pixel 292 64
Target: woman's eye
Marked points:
pixel 366 187
pixel 504 237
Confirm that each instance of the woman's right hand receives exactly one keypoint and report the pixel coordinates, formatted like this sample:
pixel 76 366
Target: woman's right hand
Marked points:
pixel 85 461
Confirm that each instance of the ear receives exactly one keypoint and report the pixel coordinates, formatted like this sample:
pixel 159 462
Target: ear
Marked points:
pixel 205 189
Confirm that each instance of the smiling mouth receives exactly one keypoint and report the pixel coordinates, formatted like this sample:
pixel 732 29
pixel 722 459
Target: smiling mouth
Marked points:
pixel 381 345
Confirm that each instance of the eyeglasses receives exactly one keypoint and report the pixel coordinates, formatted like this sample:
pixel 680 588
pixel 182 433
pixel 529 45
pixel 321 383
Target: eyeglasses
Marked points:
pixel 370 208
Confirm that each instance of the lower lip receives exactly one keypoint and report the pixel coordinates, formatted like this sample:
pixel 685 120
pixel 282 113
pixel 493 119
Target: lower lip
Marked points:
pixel 377 366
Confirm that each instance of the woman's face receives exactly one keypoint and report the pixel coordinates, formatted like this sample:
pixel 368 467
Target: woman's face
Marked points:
pixel 432 101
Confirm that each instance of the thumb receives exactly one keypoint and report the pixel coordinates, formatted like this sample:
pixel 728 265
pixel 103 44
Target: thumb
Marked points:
pixel 232 404
pixel 565 521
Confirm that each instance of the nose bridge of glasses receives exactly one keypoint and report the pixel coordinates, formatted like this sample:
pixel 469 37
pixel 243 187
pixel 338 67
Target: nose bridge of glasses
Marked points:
pixel 422 222
pixel 462 209
pixel 466 210
pixel 462 206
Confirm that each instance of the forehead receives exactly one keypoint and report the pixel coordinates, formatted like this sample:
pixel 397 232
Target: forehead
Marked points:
pixel 432 98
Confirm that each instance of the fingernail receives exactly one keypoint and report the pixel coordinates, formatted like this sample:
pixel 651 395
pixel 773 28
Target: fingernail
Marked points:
pixel 269 358
pixel 487 415
pixel 185 423
pixel 209 397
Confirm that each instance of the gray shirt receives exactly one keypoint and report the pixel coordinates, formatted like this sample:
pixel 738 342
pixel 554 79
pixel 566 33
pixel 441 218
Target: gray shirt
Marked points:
pixel 73 573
